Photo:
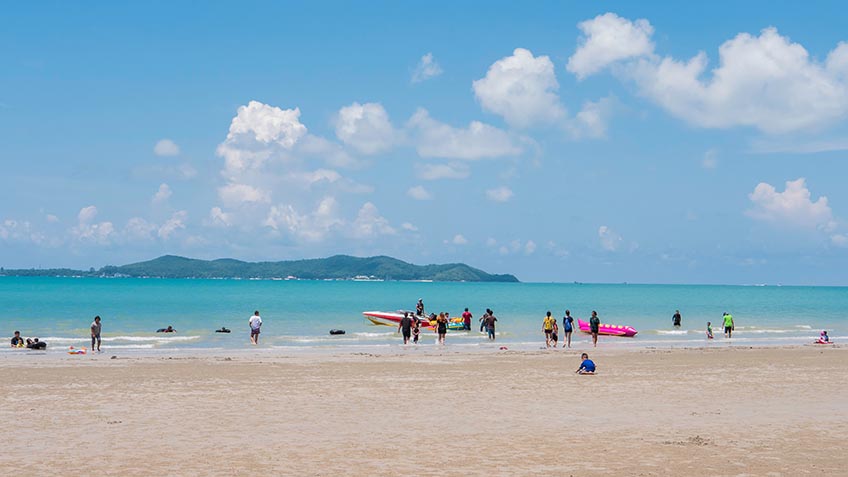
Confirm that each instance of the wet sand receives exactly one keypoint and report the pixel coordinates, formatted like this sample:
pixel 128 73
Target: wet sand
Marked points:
pixel 710 412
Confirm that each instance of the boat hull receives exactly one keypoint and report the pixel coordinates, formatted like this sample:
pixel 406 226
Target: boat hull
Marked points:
pixel 389 318
pixel 608 330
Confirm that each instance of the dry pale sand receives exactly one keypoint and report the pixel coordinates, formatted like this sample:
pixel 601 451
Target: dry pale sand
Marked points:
pixel 777 411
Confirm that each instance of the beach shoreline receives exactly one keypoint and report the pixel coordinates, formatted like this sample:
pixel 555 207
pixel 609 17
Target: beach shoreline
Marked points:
pixel 705 411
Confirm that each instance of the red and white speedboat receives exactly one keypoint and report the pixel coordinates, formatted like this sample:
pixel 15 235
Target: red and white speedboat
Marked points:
pixel 390 318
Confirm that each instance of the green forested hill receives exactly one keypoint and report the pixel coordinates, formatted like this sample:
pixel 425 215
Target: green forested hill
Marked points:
pixel 336 267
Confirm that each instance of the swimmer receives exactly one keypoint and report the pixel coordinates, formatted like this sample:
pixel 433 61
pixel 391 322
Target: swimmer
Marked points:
pixel 587 366
pixel 17 341
pixel 223 330
pixel 169 329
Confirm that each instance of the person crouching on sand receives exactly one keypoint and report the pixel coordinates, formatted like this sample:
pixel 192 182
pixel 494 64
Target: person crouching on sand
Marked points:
pixel 587 366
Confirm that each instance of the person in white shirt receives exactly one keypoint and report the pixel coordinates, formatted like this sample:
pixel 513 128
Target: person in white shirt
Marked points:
pixel 255 323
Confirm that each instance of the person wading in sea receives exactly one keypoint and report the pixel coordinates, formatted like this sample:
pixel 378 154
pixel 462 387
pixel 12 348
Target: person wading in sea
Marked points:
pixel 594 327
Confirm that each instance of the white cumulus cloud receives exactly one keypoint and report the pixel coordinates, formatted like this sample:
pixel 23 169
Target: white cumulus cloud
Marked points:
pixel 499 194
pixel 166 147
pixel 458 239
pixel 254 130
pixel 609 38
pixel 308 227
pixel 419 193
pixel 427 68
pixel 139 230
pixel 163 194
pixel 266 123
pixel 172 225
pixel 235 194
pixel 370 224
pixel 610 239
pixel 793 207
pixel 763 81
pixel 477 141
pixel 365 127
pixel 521 88
pixel 592 120
pixel 87 230
pixel 219 218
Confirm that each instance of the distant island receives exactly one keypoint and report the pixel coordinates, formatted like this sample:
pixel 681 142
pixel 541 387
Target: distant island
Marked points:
pixel 338 267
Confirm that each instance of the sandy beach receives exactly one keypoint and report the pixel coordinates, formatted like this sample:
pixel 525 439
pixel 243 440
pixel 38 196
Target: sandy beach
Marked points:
pixel 762 411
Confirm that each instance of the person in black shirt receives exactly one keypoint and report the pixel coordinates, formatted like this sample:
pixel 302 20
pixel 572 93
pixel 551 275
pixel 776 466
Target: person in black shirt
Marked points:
pixel 405 326
pixel 17 341
pixel 675 320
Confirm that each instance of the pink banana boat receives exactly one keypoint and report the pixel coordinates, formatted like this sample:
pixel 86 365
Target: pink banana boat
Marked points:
pixel 607 329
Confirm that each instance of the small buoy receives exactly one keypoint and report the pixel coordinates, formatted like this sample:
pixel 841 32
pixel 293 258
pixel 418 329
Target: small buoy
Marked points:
pixel 337 332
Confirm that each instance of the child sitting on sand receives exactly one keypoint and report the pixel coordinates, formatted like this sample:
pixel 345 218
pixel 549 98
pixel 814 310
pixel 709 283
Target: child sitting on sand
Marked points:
pixel 587 366
pixel 709 330
pixel 823 337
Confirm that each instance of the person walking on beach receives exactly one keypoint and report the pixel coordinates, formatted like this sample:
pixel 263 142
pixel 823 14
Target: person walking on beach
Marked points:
pixel 568 327
pixel 554 334
pixel 490 324
pixel 255 323
pixel 96 327
pixel 594 327
pixel 728 325
pixel 675 320
pixel 405 326
pixel 709 330
pixel 442 327
pixel 548 328
pixel 466 320
pixel 419 307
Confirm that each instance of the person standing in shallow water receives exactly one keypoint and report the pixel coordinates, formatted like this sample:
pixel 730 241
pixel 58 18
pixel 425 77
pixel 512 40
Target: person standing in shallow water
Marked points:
pixel 594 327
pixel 490 324
pixel 548 328
pixel 728 325
pixel 405 326
pixel 676 319
pixel 96 327
pixel 255 323
pixel 442 327
pixel 568 327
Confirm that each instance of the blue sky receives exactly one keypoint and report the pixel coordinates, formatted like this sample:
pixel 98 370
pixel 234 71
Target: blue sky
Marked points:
pixel 579 141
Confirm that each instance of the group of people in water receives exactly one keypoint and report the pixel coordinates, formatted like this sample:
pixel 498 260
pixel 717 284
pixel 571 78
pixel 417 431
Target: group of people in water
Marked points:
pixel 410 325
pixel 29 343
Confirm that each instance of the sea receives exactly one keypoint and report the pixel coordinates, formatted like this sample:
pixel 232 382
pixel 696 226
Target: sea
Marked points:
pixel 298 314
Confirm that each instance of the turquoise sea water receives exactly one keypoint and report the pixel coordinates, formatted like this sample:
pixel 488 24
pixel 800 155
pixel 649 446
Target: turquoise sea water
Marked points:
pixel 301 313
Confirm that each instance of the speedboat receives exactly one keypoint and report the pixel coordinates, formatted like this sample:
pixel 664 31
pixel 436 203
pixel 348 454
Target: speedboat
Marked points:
pixel 391 318
pixel 607 329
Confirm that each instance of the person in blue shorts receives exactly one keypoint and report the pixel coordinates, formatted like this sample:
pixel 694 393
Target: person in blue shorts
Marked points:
pixel 587 366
